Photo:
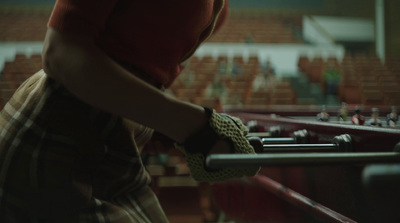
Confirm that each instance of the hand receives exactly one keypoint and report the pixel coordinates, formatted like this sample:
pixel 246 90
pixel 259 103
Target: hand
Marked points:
pixel 223 134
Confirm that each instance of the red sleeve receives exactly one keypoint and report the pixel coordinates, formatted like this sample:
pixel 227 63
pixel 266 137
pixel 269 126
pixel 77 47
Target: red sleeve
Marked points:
pixel 82 16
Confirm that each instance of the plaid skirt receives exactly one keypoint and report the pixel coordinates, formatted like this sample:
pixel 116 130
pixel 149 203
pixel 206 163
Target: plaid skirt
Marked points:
pixel 62 160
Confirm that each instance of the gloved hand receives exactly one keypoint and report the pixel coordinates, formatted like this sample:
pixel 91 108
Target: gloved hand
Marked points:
pixel 198 146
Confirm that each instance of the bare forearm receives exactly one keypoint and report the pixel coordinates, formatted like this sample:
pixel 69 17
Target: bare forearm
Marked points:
pixel 98 80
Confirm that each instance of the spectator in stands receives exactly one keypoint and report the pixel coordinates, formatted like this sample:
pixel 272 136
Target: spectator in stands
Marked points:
pixel 231 68
pixel 374 120
pixel 265 80
pixel 223 67
pixel 357 118
pixel 236 69
pixel 217 89
pixel 267 68
pixel 332 78
pixel 323 116
pixel 71 135
pixel 259 82
pixel 264 84
pixel 392 118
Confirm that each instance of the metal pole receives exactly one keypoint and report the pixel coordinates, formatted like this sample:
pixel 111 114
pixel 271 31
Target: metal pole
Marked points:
pixel 217 161
pixel 300 147
pixel 278 140
pixel 380 29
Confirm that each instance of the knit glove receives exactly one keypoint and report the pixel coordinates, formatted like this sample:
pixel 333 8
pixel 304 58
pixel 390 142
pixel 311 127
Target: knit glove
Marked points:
pixel 197 147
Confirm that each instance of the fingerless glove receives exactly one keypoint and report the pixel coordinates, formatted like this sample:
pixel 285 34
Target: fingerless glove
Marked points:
pixel 197 147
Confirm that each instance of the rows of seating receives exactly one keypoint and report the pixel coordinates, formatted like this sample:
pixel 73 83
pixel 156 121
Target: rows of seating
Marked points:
pixel 30 25
pixel 363 78
pixel 15 72
pixel 203 76
pixel 202 82
pixel 259 28
pixel 23 25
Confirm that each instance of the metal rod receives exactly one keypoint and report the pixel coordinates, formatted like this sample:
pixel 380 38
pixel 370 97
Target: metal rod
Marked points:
pixel 251 160
pixel 259 134
pixel 278 140
pixel 300 147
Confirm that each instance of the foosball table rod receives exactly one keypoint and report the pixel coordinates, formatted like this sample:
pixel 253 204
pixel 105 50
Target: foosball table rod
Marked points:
pixel 299 136
pixel 341 143
pixel 217 161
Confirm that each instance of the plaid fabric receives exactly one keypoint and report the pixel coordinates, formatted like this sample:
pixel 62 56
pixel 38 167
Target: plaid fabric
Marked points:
pixel 64 161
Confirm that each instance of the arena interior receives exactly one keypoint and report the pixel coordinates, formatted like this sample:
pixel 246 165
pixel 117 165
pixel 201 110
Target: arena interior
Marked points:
pixel 277 64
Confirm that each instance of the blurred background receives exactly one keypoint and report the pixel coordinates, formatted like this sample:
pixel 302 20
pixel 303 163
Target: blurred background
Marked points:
pixel 278 56
pixel 269 52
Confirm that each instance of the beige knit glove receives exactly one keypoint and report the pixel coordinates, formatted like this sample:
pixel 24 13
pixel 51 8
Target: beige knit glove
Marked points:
pixel 197 147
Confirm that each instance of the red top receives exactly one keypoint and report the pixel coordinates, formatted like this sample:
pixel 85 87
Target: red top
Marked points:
pixel 155 36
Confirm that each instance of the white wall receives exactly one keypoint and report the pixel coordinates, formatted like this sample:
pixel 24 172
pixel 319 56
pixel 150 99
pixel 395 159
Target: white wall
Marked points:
pixel 338 28
pixel 314 33
pixel 8 50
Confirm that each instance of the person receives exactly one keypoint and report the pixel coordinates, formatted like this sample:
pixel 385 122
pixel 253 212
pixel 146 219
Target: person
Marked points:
pixel 259 83
pixel 267 68
pixel 236 69
pixel 357 118
pixel 374 120
pixel 332 78
pixel 392 117
pixel 223 67
pixel 323 116
pixel 71 135
pixel 217 89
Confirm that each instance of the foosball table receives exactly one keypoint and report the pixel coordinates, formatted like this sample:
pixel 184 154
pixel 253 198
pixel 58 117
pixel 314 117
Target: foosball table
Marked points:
pixel 313 172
